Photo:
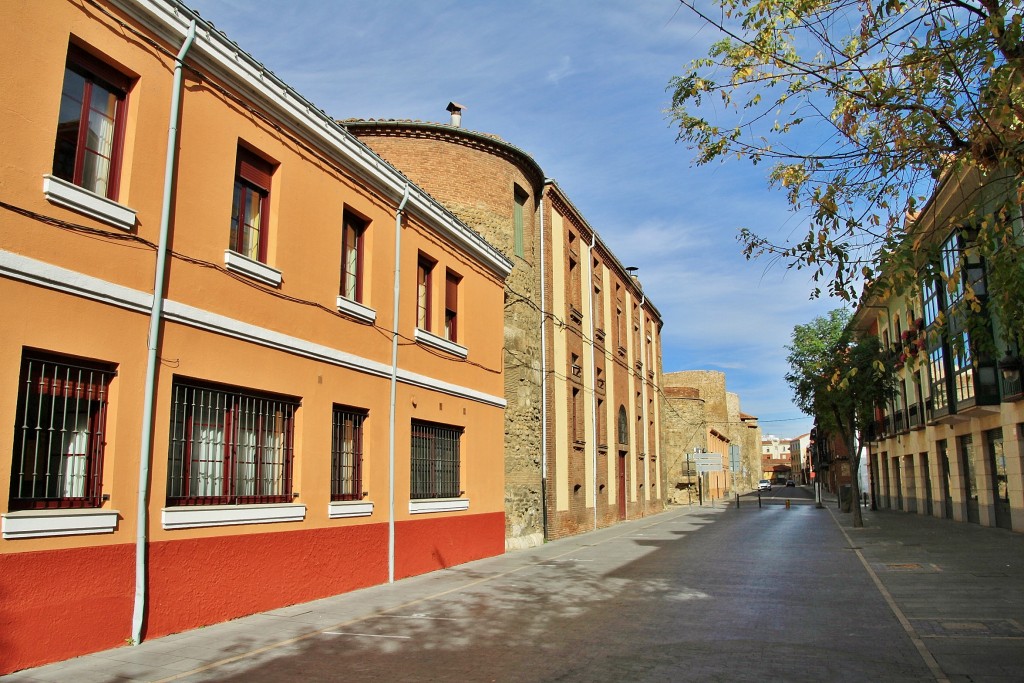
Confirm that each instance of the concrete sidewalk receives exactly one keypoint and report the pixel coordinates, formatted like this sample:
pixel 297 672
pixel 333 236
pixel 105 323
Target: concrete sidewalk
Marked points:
pixel 954 588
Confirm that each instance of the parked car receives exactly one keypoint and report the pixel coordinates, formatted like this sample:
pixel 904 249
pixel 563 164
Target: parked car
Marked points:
pixel 764 485
pixel 790 482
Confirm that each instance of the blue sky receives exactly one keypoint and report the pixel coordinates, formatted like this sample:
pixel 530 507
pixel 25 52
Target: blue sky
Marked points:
pixel 580 85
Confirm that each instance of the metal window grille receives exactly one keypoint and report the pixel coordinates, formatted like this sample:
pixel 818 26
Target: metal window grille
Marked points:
pixel 59 434
pixel 229 447
pixel 347 454
pixel 435 461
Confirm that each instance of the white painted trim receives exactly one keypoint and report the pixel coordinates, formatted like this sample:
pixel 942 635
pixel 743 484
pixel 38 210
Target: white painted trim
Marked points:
pixel 339 509
pixel 62 193
pixel 39 273
pixel 431 339
pixel 214 51
pixel 67 522
pixel 191 516
pixel 357 310
pixel 254 269
pixel 419 507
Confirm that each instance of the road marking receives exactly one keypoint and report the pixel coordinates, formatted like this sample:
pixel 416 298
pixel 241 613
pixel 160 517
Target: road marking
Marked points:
pixel 922 649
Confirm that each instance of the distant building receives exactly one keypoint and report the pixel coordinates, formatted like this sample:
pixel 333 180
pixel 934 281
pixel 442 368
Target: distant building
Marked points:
pixel 701 418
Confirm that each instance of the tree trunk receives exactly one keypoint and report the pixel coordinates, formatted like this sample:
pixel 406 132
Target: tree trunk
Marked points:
pixel 858 517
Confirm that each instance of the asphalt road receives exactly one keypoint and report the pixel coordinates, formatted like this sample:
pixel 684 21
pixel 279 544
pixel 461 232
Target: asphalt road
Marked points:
pixel 754 594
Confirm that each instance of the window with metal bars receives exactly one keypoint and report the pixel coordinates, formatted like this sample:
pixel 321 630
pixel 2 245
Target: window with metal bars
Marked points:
pixel 59 433
pixel 229 446
pixel 347 454
pixel 435 461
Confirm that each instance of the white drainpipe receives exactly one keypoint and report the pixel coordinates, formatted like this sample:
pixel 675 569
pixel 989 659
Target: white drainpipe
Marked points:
pixel 394 387
pixel 593 371
pixel 543 386
pixel 155 315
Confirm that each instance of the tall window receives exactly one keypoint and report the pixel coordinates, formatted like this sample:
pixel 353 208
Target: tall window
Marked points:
pixel 250 206
pixel 576 406
pixel 229 446
pixel 424 273
pixel 90 125
pixel 451 306
pixel 347 454
pixel 434 461
pixel 59 433
pixel 518 212
pixel 623 427
pixel 352 229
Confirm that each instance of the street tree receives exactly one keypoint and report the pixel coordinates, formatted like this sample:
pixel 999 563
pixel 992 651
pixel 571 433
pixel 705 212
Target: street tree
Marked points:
pixel 863 108
pixel 839 379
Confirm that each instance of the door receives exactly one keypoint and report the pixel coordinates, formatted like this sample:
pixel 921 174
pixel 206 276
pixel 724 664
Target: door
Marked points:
pixel 622 485
pixel 926 476
pixel 947 491
pixel 997 464
pixel 897 482
pixel 970 480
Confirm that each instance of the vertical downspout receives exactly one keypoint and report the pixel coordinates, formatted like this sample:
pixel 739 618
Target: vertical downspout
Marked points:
pixel 643 407
pixel 593 371
pixel 543 385
pixel 394 386
pixel 156 313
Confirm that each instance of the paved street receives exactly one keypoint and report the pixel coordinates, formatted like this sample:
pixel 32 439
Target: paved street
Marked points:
pixel 714 593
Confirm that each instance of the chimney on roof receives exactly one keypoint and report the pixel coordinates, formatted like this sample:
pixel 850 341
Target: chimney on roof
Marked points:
pixel 632 274
pixel 456 110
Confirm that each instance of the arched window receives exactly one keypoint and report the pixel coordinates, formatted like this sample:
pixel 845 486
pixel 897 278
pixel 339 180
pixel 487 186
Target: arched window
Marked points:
pixel 623 426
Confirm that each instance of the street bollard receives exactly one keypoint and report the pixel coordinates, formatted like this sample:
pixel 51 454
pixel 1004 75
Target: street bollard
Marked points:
pixel 737 500
pixel 787 503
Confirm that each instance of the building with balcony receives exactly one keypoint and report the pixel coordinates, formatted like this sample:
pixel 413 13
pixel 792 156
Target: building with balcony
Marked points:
pixel 245 362
pixel 950 443
pixel 582 341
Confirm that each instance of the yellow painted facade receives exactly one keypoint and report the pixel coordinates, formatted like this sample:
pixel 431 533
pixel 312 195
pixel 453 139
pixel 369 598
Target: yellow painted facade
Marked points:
pixel 77 273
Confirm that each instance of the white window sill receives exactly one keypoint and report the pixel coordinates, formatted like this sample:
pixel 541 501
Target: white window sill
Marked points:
pixel 357 310
pixel 67 522
pixel 190 516
pixel 254 269
pixel 431 339
pixel 339 509
pixel 419 507
pixel 62 193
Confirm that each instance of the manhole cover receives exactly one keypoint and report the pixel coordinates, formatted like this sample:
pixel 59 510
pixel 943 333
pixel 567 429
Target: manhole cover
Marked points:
pixel 968 628
pixel 906 567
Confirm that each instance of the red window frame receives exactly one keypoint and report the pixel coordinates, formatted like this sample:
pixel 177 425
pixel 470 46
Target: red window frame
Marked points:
pixel 230 415
pixel 451 306
pixel 352 238
pixel 253 177
pixel 51 389
pixel 424 292
pixel 347 487
pixel 72 143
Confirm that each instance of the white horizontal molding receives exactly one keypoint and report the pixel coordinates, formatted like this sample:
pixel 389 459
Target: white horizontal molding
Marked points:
pixel 420 507
pixel 357 310
pixel 246 266
pixel 39 273
pixel 191 516
pixel 431 339
pixel 339 509
pixel 40 523
pixel 62 193
pixel 49 276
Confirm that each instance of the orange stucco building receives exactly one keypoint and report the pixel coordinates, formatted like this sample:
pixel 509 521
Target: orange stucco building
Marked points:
pixel 245 362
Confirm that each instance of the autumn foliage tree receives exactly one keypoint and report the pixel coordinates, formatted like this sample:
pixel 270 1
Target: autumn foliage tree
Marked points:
pixel 862 108
pixel 839 379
